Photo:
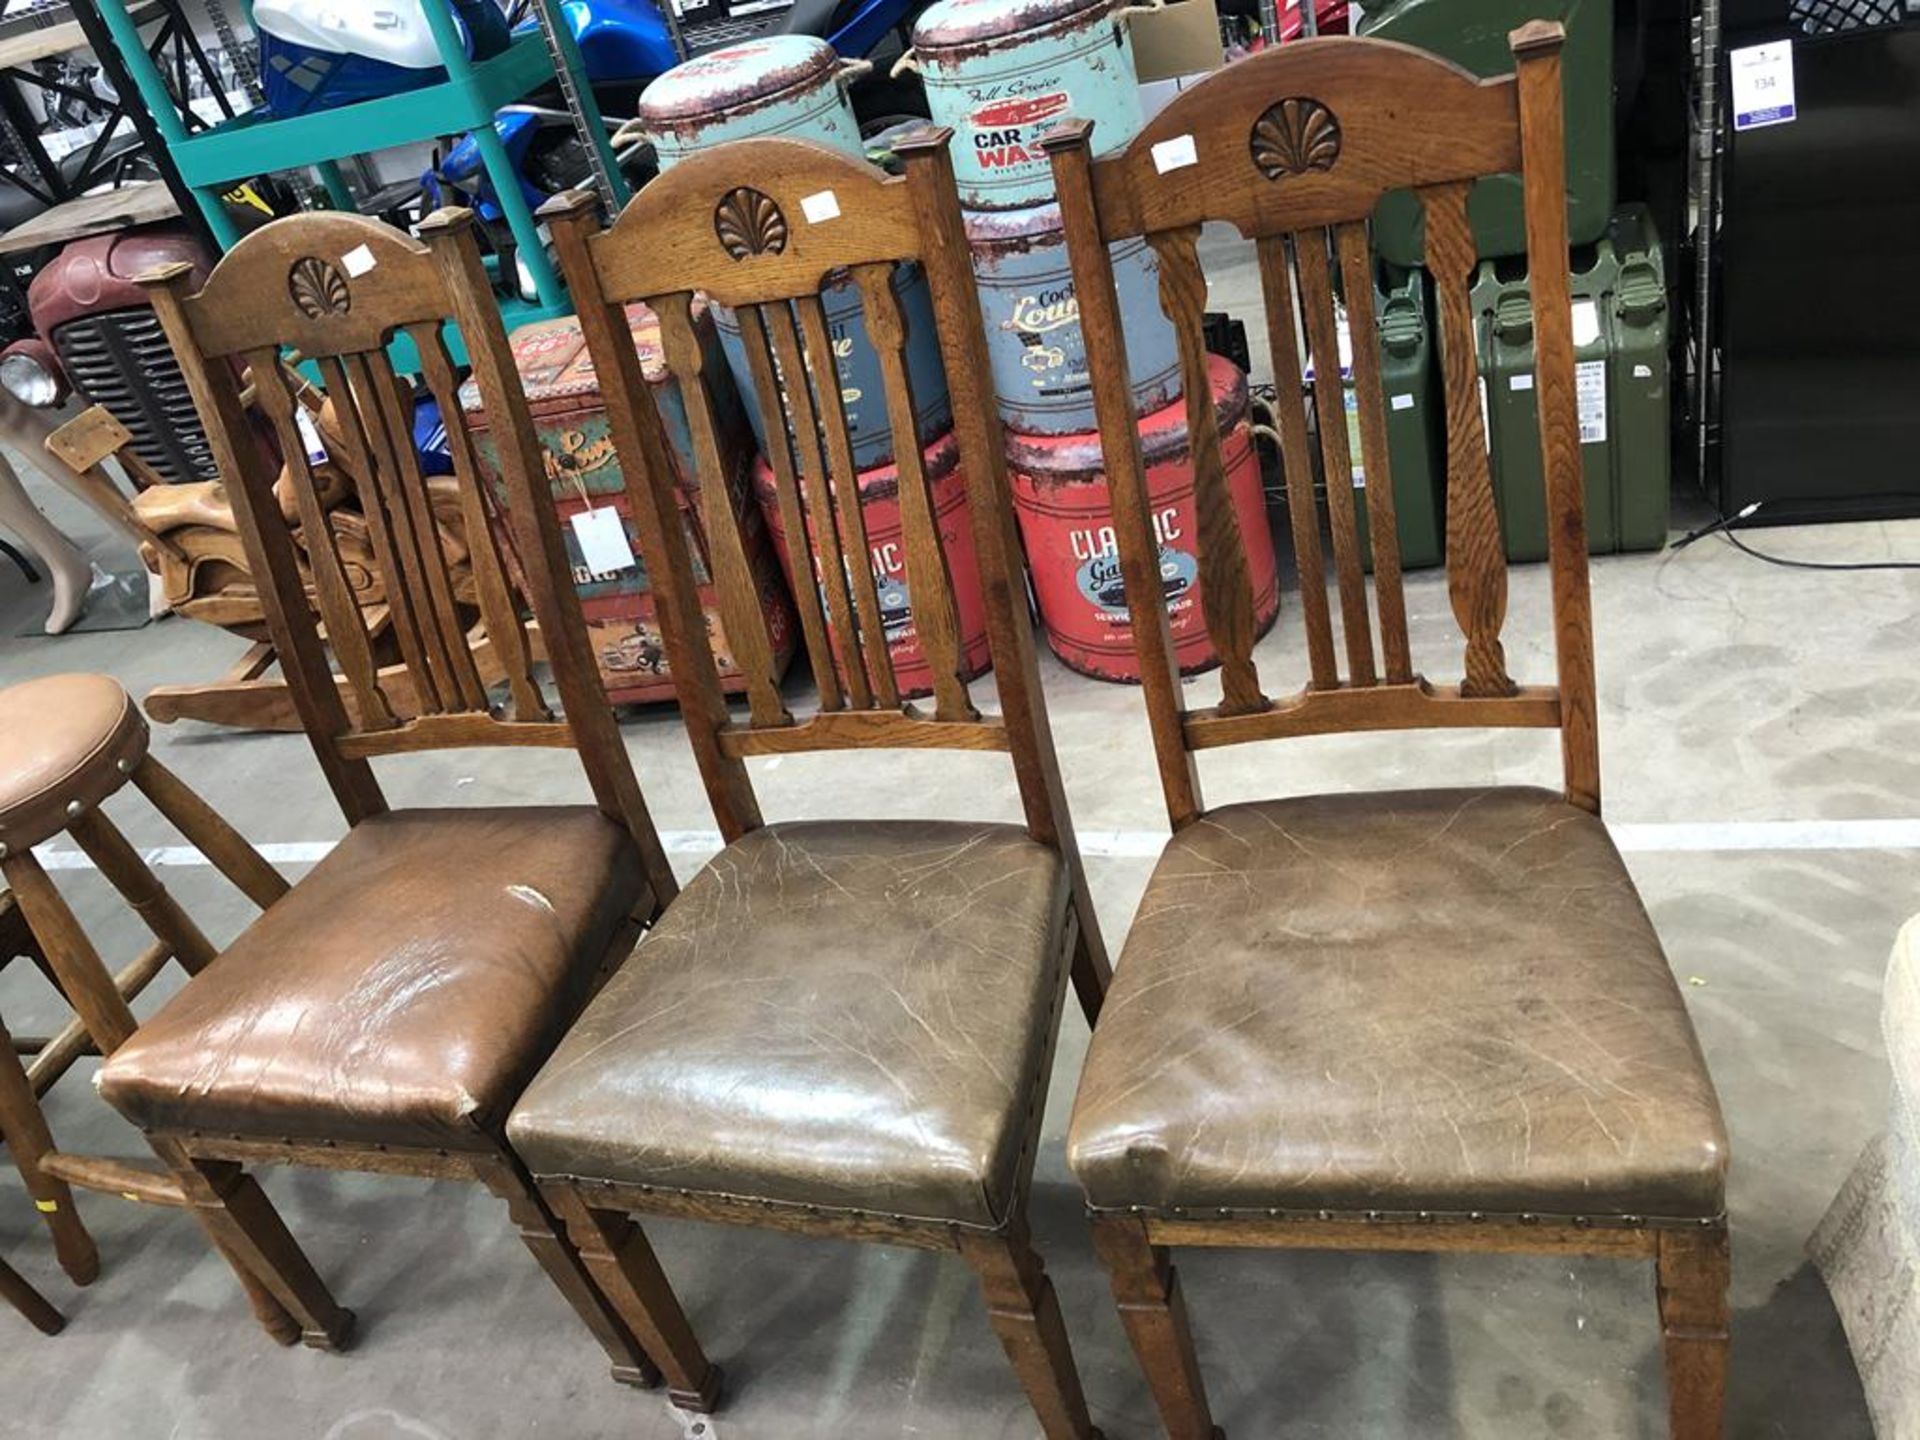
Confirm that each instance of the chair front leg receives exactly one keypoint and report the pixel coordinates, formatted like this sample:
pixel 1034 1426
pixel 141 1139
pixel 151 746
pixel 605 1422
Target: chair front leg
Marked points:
pixel 622 1264
pixel 1147 1291
pixel 1694 1269
pixel 541 1232
pixel 24 1128
pixel 1026 1316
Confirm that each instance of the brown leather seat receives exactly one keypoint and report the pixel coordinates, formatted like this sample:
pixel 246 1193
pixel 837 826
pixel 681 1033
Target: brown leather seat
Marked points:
pixel 850 1015
pixel 401 994
pixel 1444 1001
pixel 65 740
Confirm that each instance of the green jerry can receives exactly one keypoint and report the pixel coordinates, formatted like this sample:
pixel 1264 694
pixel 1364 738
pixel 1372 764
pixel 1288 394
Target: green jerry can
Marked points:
pixel 1416 450
pixel 1473 34
pixel 1620 354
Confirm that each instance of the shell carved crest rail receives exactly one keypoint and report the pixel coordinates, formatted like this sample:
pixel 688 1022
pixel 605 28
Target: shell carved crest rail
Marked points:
pixel 1294 136
pixel 318 288
pixel 749 223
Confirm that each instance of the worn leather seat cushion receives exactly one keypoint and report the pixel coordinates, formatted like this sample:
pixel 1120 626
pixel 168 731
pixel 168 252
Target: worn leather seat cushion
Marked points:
pixel 64 739
pixel 850 1015
pixel 402 993
pixel 1443 1000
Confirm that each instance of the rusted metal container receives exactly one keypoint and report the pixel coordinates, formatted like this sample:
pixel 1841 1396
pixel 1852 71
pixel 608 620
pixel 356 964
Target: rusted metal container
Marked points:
pixel 858 364
pixel 1033 322
pixel 583 471
pixel 886 553
pixel 1004 72
pixel 788 85
pixel 1060 495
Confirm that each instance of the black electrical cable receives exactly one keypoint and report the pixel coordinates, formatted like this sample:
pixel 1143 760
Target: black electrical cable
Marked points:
pixel 1725 525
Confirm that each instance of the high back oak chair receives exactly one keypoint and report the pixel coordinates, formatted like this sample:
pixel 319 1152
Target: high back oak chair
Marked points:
pixel 385 1014
pixel 844 1027
pixel 1421 1020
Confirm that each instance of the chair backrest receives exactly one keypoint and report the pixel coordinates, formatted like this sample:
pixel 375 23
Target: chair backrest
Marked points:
pixel 1294 148
pixel 763 226
pixel 337 289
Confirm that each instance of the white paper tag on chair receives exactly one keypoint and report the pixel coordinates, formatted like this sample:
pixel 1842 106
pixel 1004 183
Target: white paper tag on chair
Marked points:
pixel 820 207
pixel 357 262
pixel 1174 154
pixel 603 541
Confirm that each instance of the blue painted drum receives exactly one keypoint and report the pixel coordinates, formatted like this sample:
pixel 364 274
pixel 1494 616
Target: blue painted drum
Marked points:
pixel 1004 72
pixel 787 85
pixel 1033 322
pixel 791 86
pixel 858 364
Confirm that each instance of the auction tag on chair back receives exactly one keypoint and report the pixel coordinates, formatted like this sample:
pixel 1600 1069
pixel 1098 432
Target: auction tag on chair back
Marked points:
pixel 1762 85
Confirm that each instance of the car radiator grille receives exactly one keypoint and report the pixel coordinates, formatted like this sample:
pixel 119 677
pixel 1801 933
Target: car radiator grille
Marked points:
pixel 121 359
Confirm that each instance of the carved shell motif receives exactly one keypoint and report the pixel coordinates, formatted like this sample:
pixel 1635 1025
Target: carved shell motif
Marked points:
pixel 749 223
pixel 318 288
pixel 1294 136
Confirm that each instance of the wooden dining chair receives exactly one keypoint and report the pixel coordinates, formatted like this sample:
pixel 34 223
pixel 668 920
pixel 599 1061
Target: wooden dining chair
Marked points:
pixel 1427 1020
pixel 843 1027
pixel 385 1013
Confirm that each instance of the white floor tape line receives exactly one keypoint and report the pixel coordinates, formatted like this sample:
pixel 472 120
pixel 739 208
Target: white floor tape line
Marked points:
pixel 1633 838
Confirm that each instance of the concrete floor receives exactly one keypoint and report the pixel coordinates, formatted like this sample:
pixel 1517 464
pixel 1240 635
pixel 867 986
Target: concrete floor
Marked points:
pixel 1733 695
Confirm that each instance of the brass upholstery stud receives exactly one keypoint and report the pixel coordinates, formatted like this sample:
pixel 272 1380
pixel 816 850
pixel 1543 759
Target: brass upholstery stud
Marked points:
pixel 75 809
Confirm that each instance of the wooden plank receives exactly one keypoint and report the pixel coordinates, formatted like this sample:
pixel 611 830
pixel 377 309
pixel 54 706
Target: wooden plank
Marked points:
pixel 1316 303
pixel 936 619
pixel 145 202
pixel 1383 522
pixel 1476 557
pixel 1226 591
pixel 1414 706
pixel 1296 457
pixel 1493 1236
pixel 861 729
pixel 452 731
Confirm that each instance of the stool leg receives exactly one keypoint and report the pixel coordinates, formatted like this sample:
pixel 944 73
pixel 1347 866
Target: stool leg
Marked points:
pixel 76 965
pixel 225 846
pixel 141 888
pixel 29 1301
pixel 25 1130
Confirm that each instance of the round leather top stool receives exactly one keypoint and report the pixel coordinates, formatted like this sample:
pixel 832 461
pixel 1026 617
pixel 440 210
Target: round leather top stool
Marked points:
pixel 67 743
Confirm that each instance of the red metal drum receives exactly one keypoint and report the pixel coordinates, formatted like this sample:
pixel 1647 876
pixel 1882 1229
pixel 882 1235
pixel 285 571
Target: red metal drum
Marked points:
pixel 887 553
pixel 1060 496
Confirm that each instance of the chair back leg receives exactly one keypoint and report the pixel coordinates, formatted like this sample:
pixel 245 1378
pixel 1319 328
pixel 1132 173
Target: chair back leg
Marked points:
pixel 1026 1316
pixel 1147 1291
pixel 24 1129
pixel 1693 1274
pixel 15 1290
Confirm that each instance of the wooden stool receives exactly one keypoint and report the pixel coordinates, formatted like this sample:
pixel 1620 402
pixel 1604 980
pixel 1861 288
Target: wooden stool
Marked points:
pixel 67 742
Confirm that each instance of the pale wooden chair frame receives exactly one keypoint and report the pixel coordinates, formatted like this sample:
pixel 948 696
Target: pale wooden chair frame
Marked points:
pixel 729 223
pixel 285 285
pixel 1262 140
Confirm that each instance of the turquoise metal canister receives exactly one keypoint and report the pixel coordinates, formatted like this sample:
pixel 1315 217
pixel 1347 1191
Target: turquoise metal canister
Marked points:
pixel 791 86
pixel 1002 73
pixel 1039 356
pixel 861 386
pixel 788 85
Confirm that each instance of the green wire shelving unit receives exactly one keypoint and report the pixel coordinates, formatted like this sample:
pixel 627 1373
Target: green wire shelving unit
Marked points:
pixel 214 161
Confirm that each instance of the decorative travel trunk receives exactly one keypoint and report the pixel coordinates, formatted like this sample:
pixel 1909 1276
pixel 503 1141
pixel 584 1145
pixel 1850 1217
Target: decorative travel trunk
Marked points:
pixel 584 471
pixel 887 554
pixel 786 85
pixel 1033 322
pixel 1060 495
pixel 1004 72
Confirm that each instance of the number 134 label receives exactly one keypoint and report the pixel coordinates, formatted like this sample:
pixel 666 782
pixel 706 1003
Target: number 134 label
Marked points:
pixel 1762 85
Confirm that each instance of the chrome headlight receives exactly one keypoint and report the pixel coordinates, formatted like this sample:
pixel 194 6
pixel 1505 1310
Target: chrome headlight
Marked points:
pixel 31 374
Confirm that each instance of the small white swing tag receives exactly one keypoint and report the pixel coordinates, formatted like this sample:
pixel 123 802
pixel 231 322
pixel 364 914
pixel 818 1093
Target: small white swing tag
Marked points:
pixel 603 540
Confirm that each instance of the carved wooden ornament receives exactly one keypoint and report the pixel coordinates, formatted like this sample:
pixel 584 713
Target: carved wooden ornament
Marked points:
pixel 749 223
pixel 318 288
pixel 1294 136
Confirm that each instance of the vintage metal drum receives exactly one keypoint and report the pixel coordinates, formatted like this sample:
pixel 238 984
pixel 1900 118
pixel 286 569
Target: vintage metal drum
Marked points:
pixel 1033 322
pixel 790 85
pixel 858 363
pixel 1004 72
pixel 886 547
pixel 584 472
pixel 1066 518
